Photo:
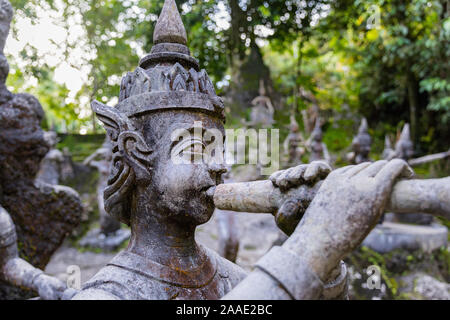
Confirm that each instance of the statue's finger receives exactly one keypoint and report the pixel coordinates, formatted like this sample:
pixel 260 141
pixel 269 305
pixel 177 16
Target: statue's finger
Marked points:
pixel 288 216
pixel 343 170
pixel 295 175
pixel 317 170
pixel 273 177
pixel 373 169
pixel 356 169
pixel 390 172
pixel 282 181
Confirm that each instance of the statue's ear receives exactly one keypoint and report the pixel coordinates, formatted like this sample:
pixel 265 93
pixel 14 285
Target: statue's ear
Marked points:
pixel 126 142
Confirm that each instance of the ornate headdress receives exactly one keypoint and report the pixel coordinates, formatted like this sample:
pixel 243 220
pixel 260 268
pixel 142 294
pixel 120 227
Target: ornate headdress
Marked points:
pixel 169 77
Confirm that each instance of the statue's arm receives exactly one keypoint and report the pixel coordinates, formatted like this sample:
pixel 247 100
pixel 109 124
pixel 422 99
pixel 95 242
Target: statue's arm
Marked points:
pixel 279 275
pixel 347 206
pixel 19 272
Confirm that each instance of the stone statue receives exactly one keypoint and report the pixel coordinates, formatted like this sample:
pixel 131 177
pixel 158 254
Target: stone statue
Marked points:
pixel 43 214
pixel 262 111
pixel 388 152
pixel 318 149
pixel 109 236
pixel 294 142
pixel 51 165
pixel 361 144
pixel 404 148
pixel 16 271
pixel 164 200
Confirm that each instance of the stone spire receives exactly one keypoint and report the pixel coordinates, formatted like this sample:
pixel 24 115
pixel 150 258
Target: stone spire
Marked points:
pixel 317 132
pixel 405 135
pixel 387 142
pixel 363 128
pixel 404 147
pixel 169 27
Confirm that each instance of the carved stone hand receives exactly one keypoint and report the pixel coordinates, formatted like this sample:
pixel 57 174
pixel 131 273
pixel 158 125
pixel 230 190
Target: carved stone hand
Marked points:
pixel 346 208
pixel 50 288
pixel 292 210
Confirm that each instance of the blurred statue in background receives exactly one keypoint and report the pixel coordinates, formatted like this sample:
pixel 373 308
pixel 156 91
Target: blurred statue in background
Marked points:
pixel 388 152
pixel 262 110
pixel 318 149
pixel 404 148
pixel 294 143
pixel 109 236
pixel 35 217
pixel 361 144
pixel 51 165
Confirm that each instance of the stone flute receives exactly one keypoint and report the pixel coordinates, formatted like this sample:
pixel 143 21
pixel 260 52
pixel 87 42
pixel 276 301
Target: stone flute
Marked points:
pixel 430 196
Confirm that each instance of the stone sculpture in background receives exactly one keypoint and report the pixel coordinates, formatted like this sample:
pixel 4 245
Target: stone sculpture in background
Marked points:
pixel 361 144
pixel 318 150
pixel 294 143
pixel 388 152
pixel 36 217
pixel 18 272
pixel 404 148
pixel 51 165
pixel 262 110
pixel 109 236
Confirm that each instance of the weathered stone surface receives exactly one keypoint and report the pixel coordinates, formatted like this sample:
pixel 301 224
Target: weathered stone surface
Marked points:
pixel 390 236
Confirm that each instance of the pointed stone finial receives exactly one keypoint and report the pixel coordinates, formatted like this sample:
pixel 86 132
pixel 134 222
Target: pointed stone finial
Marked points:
pixel 363 128
pixel 405 135
pixel 317 132
pixel 169 27
pixel 387 142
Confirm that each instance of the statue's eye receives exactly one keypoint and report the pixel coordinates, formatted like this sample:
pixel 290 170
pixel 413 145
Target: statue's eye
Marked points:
pixel 195 146
pixel 189 150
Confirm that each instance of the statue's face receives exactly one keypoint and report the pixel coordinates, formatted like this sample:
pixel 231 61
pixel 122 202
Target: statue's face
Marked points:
pixel 179 190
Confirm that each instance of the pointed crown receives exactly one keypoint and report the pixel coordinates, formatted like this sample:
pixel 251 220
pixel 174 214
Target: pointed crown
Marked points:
pixel 168 77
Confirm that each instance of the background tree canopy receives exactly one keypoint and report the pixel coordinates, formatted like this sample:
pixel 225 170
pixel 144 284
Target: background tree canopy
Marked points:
pixel 387 60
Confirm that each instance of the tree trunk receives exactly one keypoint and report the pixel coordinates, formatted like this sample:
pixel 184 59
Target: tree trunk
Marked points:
pixel 413 99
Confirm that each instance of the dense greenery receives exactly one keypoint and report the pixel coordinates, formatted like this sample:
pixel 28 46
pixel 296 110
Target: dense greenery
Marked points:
pixel 387 60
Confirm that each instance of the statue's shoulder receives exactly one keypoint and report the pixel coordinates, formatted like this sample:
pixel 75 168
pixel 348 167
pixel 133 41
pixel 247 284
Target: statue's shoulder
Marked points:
pixel 110 283
pixel 227 269
pixel 126 277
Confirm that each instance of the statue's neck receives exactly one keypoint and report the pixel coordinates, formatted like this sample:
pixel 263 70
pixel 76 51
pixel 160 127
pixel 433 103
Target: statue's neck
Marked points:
pixel 165 241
